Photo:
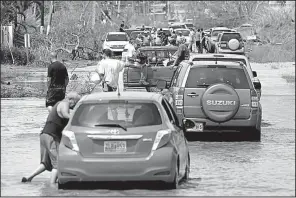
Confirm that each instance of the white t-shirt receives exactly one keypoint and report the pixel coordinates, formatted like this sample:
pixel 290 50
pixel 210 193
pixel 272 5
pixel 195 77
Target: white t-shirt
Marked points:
pixel 111 69
pixel 130 50
pixel 129 53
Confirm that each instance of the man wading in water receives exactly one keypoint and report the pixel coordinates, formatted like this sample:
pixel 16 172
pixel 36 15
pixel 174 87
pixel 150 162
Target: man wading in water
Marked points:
pixel 57 81
pixel 51 135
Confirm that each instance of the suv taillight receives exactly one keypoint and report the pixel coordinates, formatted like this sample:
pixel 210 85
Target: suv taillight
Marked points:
pixel 179 101
pixel 125 75
pixel 254 99
pixel 69 140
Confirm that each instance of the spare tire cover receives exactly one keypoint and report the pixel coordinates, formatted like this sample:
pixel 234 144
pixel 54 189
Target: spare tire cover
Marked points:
pixel 233 44
pixel 220 102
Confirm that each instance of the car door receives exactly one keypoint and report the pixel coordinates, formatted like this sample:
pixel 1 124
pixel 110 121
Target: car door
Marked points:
pixel 179 137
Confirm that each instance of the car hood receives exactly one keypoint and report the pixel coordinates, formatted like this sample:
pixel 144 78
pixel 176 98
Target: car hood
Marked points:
pixel 116 42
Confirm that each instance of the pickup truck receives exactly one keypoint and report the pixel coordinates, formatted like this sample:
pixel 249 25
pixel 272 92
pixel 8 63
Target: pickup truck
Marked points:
pixel 157 69
pixel 211 38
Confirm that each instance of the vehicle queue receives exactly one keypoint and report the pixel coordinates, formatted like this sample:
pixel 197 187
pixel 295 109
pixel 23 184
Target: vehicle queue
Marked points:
pixel 136 136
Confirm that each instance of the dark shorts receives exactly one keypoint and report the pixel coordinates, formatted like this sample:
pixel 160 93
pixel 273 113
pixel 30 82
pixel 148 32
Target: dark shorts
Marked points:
pixel 49 151
pixel 54 95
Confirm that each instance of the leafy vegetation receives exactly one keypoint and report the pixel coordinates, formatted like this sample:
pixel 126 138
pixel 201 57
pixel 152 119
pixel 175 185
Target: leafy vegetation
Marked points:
pixel 75 28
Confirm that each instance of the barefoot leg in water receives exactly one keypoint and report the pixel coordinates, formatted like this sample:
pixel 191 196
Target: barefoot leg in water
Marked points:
pixel 40 169
pixel 54 176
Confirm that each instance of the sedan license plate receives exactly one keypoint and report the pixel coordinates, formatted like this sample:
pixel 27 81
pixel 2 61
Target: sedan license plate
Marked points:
pixel 114 146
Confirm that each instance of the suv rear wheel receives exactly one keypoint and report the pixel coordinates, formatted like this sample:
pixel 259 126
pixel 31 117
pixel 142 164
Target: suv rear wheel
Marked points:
pixel 254 134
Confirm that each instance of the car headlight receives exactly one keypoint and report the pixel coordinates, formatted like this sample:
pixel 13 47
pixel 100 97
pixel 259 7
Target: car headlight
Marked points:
pixel 107 45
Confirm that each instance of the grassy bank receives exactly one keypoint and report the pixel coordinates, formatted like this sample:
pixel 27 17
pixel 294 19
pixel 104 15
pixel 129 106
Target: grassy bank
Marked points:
pixel 11 74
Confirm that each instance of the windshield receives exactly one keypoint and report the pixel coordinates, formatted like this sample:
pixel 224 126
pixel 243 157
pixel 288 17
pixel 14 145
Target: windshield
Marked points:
pixel 116 37
pixel 125 114
pixel 189 25
pixel 204 77
pixel 178 26
pixel 129 32
pixel 135 34
pixel 184 32
pixel 228 37
pixel 221 59
pixel 159 54
pixel 216 32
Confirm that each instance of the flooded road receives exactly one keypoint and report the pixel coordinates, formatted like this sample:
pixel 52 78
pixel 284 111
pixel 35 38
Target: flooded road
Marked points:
pixel 217 168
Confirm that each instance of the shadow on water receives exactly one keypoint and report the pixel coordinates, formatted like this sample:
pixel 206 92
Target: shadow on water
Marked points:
pixel 219 137
pixel 139 185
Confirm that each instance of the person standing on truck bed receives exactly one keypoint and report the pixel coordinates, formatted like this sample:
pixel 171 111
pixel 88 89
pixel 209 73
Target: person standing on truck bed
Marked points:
pixel 109 70
pixel 141 58
pixel 57 81
pixel 182 53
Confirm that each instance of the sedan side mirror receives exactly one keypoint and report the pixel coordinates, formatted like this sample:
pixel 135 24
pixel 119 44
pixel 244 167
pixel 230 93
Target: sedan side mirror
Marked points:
pixel 254 73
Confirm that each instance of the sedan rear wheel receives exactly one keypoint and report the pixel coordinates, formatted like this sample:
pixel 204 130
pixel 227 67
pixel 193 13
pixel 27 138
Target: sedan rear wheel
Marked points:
pixel 175 183
pixel 187 170
pixel 62 186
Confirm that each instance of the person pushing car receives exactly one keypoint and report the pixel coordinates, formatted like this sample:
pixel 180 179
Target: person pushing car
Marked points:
pixel 51 135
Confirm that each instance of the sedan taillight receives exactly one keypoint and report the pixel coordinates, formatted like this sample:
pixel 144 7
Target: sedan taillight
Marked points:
pixel 69 140
pixel 161 139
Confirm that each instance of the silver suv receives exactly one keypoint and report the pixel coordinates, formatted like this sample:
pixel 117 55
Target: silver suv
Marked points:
pixel 230 43
pixel 217 96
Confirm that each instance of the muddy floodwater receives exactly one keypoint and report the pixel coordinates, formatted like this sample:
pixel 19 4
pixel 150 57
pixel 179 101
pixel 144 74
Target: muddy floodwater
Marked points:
pixel 217 168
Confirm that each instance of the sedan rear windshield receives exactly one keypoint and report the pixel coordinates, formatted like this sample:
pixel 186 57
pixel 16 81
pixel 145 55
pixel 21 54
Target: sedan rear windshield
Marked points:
pixel 228 37
pixel 221 59
pixel 204 77
pixel 116 37
pixel 123 113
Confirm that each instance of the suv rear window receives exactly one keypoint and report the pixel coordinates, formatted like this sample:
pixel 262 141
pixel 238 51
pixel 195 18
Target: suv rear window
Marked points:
pixel 216 32
pixel 205 76
pixel 221 59
pixel 116 37
pixel 227 37
pixel 127 114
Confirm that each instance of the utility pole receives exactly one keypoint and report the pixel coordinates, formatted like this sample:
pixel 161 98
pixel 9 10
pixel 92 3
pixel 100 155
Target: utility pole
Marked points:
pixel 93 15
pixel 50 17
pixel 168 10
pixel 42 17
pixel 118 8
pixel 144 8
